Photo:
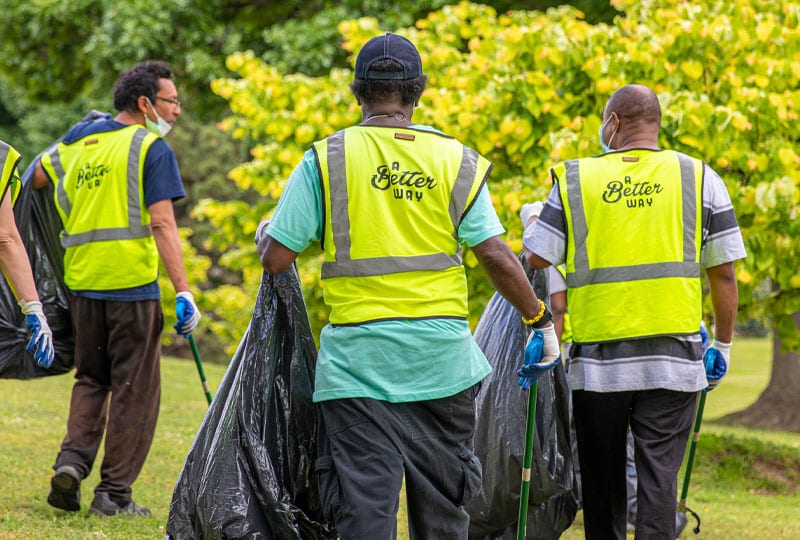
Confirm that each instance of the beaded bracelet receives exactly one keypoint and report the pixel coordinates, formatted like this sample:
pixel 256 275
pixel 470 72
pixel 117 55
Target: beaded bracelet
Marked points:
pixel 531 322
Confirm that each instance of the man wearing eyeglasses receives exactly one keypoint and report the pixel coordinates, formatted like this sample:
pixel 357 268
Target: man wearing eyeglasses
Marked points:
pixel 115 180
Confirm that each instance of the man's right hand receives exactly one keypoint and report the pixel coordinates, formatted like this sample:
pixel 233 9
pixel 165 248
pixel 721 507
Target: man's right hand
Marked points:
pixel 187 313
pixel 717 359
pixel 539 355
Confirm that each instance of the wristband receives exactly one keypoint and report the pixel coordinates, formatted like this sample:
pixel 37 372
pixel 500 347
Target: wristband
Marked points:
pixel 541 319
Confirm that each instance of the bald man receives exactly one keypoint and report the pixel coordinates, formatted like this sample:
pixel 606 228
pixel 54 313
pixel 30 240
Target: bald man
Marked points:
pixel 634 226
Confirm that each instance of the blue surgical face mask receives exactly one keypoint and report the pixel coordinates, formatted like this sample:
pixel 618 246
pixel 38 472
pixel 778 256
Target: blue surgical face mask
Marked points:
pixel 606 147
pixel 161 127
pixel 603 144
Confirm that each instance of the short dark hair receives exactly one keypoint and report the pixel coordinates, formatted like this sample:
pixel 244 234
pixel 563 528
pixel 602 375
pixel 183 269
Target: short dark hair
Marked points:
pixel 371 91
pixel 143 79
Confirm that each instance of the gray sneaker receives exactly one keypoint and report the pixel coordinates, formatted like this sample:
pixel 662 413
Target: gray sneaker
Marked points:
pixel 103 505
pixel 65 489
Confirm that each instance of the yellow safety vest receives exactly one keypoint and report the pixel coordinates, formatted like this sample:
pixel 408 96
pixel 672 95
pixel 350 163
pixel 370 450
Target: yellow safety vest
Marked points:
pixel 99 194
pixel 634 222
pixel 393 201
pixel 9 181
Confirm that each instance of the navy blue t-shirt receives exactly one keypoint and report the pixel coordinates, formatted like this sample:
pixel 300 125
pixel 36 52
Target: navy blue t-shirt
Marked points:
pixel 162 180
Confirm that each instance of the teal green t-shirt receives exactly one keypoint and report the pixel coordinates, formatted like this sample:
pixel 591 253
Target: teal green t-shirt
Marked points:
pixel 397 361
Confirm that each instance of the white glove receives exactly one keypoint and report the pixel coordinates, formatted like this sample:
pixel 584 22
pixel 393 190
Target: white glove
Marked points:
pixel 551 350
pixel 717 359
pixel 724 348
pixel 41 342
pixel 186 312
pixel 550 353
pixel 529 210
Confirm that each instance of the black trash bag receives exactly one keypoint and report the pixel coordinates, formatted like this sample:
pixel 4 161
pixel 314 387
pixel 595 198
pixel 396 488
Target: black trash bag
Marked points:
pixel 249 472
pixel 39 226
pixel 502 408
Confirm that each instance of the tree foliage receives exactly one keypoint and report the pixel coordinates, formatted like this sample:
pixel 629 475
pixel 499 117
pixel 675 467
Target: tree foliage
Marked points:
pixel 527 89
pixel 60 58
pixel 55 50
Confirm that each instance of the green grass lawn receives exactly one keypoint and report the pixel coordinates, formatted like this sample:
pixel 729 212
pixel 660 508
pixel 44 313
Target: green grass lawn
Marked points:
pixel 744 484
pixel 33 422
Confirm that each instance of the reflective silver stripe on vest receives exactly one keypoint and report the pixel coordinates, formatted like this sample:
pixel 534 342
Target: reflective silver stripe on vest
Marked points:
pixel 134 229
pixel 583 275
pixel 340 221
pixel 58 168
pixel 4 151
pixel 340 218
pixel 461 189
pixel 134 203
pixel 689 208
pixel 378 266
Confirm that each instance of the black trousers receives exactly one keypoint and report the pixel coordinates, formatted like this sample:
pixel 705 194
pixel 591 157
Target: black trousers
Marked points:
pixel 372 445
pixel 660 421
pixel 117 390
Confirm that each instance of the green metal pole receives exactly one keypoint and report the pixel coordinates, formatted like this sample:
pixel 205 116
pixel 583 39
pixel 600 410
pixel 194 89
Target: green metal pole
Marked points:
pixel 199 365
pixel 687 475
pixel 527 459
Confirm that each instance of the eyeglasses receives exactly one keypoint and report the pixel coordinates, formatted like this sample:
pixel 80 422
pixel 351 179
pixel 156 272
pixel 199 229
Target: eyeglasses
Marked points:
pixel 173 102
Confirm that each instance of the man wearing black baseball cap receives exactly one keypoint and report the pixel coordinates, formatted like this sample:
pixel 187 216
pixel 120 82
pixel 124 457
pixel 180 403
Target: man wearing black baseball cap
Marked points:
pixel 391 47
pixel 398 369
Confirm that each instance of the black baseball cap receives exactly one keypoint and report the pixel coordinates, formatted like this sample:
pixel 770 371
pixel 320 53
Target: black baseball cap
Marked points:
pixel 392 47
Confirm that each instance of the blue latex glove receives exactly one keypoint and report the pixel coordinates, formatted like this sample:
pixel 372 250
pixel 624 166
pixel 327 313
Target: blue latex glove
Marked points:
pixel 41 342
pixel 538 350
pixel 187 313
pixel 716 359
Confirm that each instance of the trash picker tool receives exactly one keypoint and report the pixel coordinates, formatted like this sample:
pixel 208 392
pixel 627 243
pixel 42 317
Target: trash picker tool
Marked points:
pixel 527 459
pixel 199 365
pixel 687 475
pixel 529 379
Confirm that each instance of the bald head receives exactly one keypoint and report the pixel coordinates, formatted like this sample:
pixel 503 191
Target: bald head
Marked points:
pixel 635 102
pixel 635 113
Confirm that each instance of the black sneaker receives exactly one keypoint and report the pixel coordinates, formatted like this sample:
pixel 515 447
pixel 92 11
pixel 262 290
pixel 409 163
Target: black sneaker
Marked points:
pixel 103 505
pixel 65 489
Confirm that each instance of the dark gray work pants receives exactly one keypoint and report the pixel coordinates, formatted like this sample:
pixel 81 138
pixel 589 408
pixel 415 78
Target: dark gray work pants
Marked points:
pixel 660 421
pixel 117 390
pixel 371 445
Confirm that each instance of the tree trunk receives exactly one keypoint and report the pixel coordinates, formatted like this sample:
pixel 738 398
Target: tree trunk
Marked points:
pixel 778 408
